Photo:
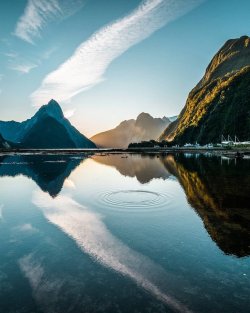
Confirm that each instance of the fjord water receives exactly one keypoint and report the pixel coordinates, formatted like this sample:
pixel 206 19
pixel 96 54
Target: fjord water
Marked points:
pixel 124 233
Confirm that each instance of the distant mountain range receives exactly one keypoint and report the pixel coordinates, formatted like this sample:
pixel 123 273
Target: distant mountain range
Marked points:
pixel 145 127
pixel 48 128
pixel 218 105
pixel 220 102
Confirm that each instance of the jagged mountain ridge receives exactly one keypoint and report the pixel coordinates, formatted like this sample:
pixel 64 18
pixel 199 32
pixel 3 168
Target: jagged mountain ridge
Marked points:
pixel 145 127
pixel 219 103
pixel 48 128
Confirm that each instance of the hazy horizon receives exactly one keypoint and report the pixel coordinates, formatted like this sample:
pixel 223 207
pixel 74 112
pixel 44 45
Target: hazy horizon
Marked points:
pixel 119 58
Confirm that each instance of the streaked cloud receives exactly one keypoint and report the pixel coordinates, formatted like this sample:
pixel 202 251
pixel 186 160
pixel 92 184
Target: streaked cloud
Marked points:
pixel 86 67
pixel 38 13
pixel 24 68
pixel 20 64
pixel 47 54
pixel 11 54
pixel 92 236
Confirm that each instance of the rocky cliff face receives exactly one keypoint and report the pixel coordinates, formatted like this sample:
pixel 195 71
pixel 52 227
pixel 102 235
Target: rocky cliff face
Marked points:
pixel 219 103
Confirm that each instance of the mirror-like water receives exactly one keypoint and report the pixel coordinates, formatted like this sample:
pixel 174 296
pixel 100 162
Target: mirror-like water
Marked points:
pixel 115 233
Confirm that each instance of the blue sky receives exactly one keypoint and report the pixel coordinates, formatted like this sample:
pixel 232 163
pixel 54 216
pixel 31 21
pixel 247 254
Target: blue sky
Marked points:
pixel 106 61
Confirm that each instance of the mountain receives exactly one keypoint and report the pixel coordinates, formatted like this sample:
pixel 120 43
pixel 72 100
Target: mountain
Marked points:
pixel 54 135
pixel 219 103
pixel 48 128
pixel 145 127
pixel 4 144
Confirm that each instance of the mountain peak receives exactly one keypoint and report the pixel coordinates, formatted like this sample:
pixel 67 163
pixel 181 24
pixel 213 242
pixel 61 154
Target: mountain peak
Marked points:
pixel 48 128
pixel 145 127
pixel 53 102
pixel 143 115
pixel 143 118
pixel 52 108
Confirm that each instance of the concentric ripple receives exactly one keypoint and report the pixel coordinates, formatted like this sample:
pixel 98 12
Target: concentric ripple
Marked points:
pixel 134 200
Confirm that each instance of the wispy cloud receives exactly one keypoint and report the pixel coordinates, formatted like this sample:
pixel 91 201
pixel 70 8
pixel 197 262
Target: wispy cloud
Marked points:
pixel 24 68
pixel 20 64
pixel 47 54
pixel 38 13
pixel 12 55
pixel 86 67
pixel 69 113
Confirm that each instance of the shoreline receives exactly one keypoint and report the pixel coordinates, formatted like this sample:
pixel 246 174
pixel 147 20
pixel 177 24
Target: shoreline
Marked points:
pixel 215 151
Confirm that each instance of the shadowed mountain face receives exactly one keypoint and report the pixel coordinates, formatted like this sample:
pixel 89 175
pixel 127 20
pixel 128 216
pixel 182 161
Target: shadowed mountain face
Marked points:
pixel 145 127
pixel 218 191
pixel 48 172
pixel 143 168
pixel 3 143
pixel 219 104
pixel 48 128
pixel 53 135
pixel 220 194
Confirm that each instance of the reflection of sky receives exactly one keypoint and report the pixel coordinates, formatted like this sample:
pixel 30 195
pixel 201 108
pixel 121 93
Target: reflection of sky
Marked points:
pixel 166 251
pixel 92 236
pixel 20 190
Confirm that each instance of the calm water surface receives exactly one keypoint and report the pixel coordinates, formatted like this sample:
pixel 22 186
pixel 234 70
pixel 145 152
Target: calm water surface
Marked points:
pixel 117 233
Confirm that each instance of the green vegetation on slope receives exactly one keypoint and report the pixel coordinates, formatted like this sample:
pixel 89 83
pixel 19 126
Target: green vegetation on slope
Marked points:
pixel 220 103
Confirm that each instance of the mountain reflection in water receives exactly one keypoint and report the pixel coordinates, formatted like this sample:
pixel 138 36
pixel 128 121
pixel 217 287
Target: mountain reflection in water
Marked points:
pixel 218 191
pixel 120 233
pixel 220 194
pixel 48 171
pixel 143 167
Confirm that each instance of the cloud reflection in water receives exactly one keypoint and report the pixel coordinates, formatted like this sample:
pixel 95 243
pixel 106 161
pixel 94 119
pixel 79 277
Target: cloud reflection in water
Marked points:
pixel 87 229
